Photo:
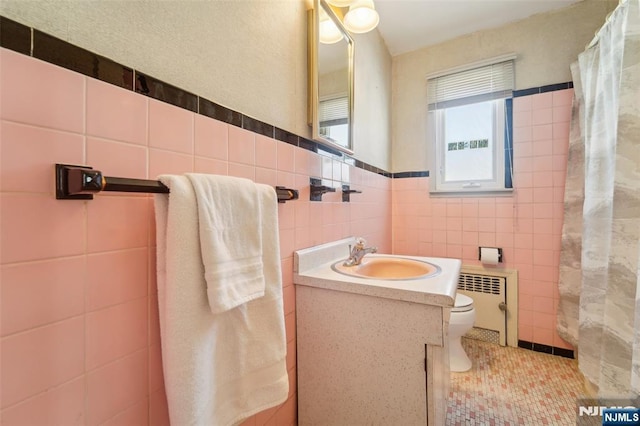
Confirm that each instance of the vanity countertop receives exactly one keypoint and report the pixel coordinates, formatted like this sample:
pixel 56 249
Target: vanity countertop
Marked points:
pixel 312 267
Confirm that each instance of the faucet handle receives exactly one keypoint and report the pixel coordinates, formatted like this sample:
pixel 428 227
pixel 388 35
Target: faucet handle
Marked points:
pixel 361 242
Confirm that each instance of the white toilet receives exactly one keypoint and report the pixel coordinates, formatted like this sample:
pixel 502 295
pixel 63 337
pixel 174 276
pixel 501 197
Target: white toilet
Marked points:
pixel 462 318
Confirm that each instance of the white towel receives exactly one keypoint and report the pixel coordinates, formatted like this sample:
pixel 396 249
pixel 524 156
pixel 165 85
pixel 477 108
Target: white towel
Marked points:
pixel 230 221
pixel 219 369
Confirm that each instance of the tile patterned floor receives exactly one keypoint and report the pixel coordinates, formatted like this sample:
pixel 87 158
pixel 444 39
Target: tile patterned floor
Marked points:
pixel 514 386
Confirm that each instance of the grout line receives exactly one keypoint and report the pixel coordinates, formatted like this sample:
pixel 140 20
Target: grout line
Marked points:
pixel 41 393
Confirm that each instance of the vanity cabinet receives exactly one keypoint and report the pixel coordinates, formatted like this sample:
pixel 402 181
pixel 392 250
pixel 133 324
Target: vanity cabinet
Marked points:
pixel 369 360
pixel 371 351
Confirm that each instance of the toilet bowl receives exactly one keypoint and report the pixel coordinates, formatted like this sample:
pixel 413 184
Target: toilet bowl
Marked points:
pixel 462 318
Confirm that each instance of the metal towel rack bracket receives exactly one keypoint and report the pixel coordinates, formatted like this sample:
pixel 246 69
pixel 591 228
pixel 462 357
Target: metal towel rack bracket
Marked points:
pixel 316 189
pixel 347 191
pixel 81 182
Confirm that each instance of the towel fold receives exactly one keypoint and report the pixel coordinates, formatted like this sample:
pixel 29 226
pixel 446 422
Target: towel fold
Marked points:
pixel 222 368
pixel 230 223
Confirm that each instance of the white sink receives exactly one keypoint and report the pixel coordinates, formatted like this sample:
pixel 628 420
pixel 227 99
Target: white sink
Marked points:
pixel 388 268
pixel 419 279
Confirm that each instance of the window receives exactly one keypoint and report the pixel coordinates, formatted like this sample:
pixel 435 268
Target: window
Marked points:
pixel 469 128
pixel 333 116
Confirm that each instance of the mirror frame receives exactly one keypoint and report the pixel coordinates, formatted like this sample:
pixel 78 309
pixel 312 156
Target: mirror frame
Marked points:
pixel 313 38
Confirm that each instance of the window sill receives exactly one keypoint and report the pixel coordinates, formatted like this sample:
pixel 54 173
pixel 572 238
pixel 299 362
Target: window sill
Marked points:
pixel 506 192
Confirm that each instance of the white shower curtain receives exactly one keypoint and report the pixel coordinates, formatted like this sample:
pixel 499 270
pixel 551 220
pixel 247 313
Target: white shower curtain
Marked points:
pixel 599 275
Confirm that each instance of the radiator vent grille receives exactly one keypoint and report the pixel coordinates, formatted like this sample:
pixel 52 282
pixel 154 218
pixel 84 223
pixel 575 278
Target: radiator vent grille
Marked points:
pixel 480 283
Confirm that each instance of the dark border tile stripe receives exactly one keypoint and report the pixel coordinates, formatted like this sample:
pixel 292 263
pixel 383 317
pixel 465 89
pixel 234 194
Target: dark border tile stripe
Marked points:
pixel 526 92
pixel 257 126
pixel 554 87
pixel 218 112
pixel 538 347
pixel 15 36
pixel 284 136
pixel 165 92
pixel 525 345
pixel 307 144
pixel 542 89
pixel 566 353
pixel 61 53
pixel 552 350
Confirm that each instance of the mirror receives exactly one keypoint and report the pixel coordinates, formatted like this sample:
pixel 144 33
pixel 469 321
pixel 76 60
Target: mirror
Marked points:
pixel 330 79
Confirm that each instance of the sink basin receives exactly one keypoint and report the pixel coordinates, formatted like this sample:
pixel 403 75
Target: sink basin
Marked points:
pixel 388 268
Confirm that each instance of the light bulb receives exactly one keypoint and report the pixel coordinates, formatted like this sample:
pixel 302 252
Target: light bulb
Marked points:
pixel 328 31
pixel 361 17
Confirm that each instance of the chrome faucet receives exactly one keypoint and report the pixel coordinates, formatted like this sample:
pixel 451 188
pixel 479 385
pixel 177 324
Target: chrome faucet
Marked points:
pixel 357 252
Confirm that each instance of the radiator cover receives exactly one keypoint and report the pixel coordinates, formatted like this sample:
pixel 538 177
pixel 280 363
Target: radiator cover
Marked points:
pixel 489 294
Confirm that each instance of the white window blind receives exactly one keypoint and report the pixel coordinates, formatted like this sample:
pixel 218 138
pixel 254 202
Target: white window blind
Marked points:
pixel 494 81
pixel 333 111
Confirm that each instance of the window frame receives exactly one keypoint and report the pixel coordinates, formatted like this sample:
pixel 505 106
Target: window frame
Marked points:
pixel 437 121
pixel 502 129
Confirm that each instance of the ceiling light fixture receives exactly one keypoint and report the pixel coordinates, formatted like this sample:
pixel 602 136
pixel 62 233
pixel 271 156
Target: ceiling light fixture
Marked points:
pixel 361 17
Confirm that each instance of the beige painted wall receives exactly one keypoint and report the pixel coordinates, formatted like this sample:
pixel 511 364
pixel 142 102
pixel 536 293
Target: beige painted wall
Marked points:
pixel 333 84
pixel 545 45
pixel 248 55
pixel 372 113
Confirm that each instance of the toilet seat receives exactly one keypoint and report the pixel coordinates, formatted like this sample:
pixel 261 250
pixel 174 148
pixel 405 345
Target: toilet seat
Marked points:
pixel 462 304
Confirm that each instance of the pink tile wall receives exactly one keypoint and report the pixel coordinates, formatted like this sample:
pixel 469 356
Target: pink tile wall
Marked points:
pixel 79 332
pixel 527 225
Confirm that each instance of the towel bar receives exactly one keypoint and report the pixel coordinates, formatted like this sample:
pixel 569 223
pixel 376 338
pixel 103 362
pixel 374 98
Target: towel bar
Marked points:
pixel 81 182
